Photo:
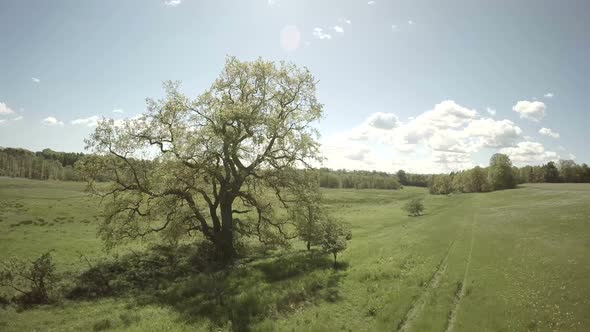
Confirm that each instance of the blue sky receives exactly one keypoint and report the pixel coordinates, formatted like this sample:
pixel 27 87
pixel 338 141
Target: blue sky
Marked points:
pixel 420 85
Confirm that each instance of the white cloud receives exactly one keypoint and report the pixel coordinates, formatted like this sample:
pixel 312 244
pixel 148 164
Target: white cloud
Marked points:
pixel 446 114
pixel 348 21
pixel 490 110
pixel 360 154
pixel 393 27
pixel 442 139
pixel 341 152
pixel 118 110
pixel 490 133
pixel 377 126
pixel 453 160
pixel 272 2
pixel 549 95
pixel 534 110
pixel 436 128
pixel 88 122
pixel 410 22
pixel 548 132
pixel 529 153
pixel 2 121
pixel 36 80
pixel 172 3
pixel 4 109
pixel 18 118
pixel 338 28
pixel 52 121
pixel 381 120
pixel 370 3
pixel 319 34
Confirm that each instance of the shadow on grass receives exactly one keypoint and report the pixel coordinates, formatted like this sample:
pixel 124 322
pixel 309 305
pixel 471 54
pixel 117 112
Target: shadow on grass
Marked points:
pixel 295 264
pixel 234 297
pixel 238 297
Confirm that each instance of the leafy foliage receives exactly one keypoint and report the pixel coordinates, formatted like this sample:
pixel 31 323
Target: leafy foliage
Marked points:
pixel 307 212
pixel 33 281
pixel 44 165
pixel 550 172
pixel 334 237
pixel 500 173
pixel 441 185
pixel 357 179
pixel 140 271
pixel 230 152
pixel 414 207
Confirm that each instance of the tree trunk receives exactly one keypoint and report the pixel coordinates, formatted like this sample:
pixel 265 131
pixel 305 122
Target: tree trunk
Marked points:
pixel 334 253
pixel 225 243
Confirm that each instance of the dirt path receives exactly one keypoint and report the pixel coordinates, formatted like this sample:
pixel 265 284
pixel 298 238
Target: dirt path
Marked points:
pixel 461 287
pixel 418 305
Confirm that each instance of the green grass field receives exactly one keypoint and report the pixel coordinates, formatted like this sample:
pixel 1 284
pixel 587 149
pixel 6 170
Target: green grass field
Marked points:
pixel 513 260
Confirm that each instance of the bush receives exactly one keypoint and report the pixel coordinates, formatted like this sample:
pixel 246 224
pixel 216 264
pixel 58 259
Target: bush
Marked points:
pixel 150 269
pixel 334 235
pixel 32 281
pixel 414 207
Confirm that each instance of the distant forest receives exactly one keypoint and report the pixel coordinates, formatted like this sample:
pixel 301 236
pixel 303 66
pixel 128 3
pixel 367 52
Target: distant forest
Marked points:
pixel 44 165
pixel 53 165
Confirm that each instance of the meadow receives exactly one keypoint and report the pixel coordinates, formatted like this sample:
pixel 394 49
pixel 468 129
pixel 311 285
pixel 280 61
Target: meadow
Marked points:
pixel 513 260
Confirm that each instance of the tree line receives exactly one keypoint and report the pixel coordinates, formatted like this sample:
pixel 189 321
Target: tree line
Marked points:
pixel 357 179
pixel 54 165
pixel 330 178
pixel 501 174
pixel 43 165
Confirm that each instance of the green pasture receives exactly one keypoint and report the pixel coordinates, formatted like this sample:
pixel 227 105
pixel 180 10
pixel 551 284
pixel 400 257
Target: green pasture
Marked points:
pixel 514 260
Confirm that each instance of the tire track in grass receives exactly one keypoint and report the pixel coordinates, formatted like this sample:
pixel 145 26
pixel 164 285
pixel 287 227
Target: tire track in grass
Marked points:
pixel 460 293
pixel 418 305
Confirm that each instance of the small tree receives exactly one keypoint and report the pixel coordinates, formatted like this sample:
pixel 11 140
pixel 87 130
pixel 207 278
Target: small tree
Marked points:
pixel 414 207
pixel 306 212
pixel 334 236
pixel 32 280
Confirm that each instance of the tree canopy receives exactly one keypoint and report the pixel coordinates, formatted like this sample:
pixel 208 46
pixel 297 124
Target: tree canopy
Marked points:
pixel 217 166
pixel 500 172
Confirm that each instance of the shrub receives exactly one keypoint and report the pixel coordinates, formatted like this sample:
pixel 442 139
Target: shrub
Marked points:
pixel 33 281
pixel 334 236
pixel 414 207
pixel 158 265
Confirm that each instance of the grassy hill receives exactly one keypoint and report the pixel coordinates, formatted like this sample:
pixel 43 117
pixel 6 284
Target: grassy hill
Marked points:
pixel 507 260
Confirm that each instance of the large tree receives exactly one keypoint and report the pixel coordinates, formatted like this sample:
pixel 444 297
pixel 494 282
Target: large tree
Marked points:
pixel 219 165
pixel 568 171
pixel 402 177
pixel 550 172
pixel 500 173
